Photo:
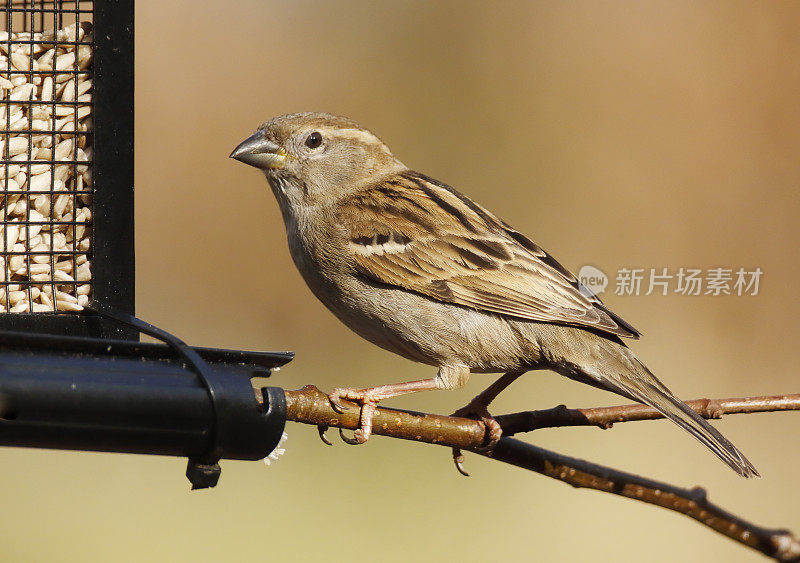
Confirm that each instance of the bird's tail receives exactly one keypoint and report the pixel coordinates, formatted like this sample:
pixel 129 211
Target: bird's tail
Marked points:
pixel 630 378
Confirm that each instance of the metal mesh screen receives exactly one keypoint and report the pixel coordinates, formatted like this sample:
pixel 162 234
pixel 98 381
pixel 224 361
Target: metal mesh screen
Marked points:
pixel 45 156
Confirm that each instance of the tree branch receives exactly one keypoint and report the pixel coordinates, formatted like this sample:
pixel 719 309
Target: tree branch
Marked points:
pixel 605 417
pixel 310 406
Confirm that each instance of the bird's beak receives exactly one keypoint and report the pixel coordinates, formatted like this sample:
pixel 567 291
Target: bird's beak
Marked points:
pixel 260 152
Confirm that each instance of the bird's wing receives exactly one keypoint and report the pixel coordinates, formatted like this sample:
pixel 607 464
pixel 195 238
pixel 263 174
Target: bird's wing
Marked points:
pixel 412 232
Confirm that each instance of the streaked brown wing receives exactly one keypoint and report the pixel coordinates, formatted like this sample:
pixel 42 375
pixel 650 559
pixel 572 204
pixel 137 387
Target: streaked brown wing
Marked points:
pixel 423 236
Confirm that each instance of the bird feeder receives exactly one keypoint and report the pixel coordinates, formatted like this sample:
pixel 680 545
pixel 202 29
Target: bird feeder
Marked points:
pixel 72 374
pixel 66 165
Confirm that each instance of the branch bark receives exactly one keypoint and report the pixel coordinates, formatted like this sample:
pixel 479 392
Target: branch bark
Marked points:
pixel 606 417
pixel 310 406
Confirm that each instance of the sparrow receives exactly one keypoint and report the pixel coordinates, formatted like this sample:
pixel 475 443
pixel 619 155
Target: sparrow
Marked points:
pixel 419 269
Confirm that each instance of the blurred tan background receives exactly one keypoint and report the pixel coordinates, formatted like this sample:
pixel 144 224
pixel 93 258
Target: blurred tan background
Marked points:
pixel 619 134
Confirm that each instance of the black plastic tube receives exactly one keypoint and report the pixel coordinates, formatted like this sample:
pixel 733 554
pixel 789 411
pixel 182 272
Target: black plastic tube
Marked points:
pixel 116 396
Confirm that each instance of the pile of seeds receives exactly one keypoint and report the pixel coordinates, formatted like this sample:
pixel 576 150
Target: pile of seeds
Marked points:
pixel 45 182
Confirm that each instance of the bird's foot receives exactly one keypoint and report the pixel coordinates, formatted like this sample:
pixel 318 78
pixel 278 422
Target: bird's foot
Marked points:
pixel 477 411
pixel 368 401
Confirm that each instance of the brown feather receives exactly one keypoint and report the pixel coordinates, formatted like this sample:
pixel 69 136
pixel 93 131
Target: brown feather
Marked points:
pixel 445 246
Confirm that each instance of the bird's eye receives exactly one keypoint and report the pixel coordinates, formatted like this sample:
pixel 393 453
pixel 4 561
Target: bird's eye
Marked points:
pixel 314 140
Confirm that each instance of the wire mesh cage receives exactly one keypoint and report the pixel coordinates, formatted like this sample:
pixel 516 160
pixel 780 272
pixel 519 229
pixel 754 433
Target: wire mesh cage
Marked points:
pixel 66 176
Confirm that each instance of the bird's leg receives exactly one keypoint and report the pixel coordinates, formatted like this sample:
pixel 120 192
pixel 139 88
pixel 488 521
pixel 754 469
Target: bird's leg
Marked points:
pixel 478 408
pixel 449 377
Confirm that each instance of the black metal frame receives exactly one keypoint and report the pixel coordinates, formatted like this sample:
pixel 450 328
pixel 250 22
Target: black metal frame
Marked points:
pixel 113 266
pixel 112 171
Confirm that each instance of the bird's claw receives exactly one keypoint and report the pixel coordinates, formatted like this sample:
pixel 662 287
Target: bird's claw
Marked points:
pixel 354 441
pixel 336 404
pixel 322 429
pixel 458 459
pixel 357 439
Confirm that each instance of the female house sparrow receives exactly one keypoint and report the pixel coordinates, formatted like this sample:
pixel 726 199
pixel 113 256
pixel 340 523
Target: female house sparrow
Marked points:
pixel 419 269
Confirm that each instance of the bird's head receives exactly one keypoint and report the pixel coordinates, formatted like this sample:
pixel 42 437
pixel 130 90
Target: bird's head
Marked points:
pixel 312 157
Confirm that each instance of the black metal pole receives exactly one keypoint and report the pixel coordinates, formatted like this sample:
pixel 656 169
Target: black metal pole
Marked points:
pixel 112 169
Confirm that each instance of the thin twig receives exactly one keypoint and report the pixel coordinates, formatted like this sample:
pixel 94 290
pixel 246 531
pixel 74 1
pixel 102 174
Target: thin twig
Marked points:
pixel 310 406
pixel 605 417
pixel 778 544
